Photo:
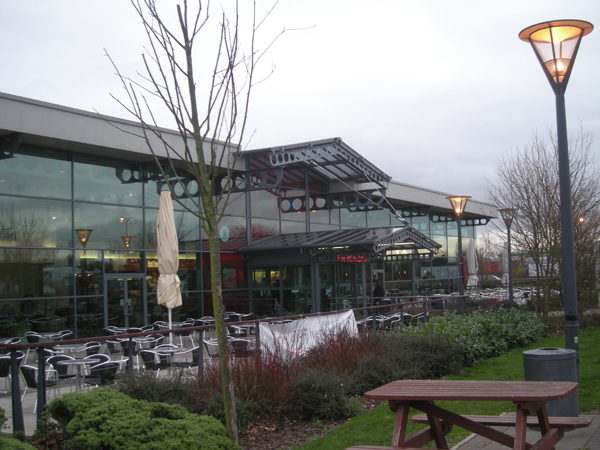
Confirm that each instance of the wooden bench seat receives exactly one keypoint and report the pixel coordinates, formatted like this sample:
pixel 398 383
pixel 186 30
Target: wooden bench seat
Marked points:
pixel 509 420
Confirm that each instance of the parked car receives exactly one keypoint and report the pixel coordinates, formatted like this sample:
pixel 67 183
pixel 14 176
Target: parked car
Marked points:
pixel 492 278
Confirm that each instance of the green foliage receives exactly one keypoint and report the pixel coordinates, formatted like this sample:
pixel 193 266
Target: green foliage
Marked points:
pixel 355 405
pixel 485 335
pixel 105 418
pixel 174 390
pixel 319 394
pixel 245 411
pixel 402 356
pixel 7 443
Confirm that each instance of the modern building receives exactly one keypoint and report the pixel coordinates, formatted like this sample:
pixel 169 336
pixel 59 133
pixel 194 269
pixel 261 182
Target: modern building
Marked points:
pixel 79 198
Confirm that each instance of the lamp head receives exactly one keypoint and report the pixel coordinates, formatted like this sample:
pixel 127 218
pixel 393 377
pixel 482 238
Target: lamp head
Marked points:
pixel 83 235
pixel 458 204
pixel 555 44
pixel 508 215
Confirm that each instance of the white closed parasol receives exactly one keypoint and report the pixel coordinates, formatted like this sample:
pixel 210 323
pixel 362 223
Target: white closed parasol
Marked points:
pixel 472 265
pixel 167 287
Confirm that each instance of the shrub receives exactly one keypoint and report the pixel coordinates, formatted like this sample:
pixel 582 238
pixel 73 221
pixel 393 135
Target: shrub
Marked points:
pixel 402 356
pixel 105 418
pixel 244 412
pixel 7 443
pixel 262 384
pixel 319 394
pixel 484 335
pixel 341 351
pixel 175 390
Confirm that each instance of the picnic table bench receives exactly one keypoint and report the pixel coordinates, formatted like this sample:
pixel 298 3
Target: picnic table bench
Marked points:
pixel 529 397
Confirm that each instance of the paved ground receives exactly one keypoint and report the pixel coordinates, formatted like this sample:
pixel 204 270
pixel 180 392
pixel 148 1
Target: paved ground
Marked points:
pixel 582 438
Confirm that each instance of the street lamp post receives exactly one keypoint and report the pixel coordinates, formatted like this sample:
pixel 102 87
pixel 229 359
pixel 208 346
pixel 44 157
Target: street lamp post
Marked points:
pixel 458 206
pixel 555 44
pixel 508 215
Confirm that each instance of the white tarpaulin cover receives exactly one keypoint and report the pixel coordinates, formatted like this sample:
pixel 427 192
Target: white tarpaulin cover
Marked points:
pixel 167 249
pixel 472 265
pixel 299 336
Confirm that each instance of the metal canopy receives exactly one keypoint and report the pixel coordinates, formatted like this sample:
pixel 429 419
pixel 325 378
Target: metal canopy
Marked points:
pixel 369 239
pixel 330 158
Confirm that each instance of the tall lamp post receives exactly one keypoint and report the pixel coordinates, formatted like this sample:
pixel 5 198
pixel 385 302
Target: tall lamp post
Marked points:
pixel 508 215
pixel 555 44
pixel 458 206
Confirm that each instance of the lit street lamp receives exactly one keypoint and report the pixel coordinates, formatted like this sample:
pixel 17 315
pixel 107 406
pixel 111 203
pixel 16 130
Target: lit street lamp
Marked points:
pixel 508 215
pixel 555 44
pixel 458 206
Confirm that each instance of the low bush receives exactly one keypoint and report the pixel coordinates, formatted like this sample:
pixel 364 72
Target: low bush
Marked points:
pixel 262 384
pixel 105 418
pixel 406 356
pixel 319 393
pixel 7 443
pixel 177 389
pixel 484 335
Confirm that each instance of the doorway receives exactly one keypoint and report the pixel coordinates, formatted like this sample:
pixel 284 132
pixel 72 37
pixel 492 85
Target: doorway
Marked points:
pixel 125 306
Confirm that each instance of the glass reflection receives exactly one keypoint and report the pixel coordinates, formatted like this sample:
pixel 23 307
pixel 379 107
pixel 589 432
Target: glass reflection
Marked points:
pixel 187 226
pixel 107 181
pixel 109 224
pixel 36 172
pixel 122 262
pixel 34 273
pixel 34 223
pixel 88 272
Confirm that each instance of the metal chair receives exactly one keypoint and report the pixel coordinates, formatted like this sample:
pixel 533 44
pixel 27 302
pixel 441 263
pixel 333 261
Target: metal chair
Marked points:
pixel 65 335
pixel 212 348
pixel 30 376
pixel 102 374
pixel 61 370
pixel 185 332
pixel 186 362
pixel 154 361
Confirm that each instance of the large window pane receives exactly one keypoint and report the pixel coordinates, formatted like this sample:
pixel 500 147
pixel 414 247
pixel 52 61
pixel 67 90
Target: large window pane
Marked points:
pixel 237 204
pixel 107 181
pixel 36 172
pixel 353 218
pixel 262 228
pixel 187 226
pixel 154 187
pixel 188 271
pixel 109 225
pixel 292 203
pixel 34 223
pixel 35 273
pixel 88 272
pixel 265 204
pixel 122 262
pixel 378 218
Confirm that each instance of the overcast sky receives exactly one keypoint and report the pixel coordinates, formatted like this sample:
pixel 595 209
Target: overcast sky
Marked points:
pixel 431 92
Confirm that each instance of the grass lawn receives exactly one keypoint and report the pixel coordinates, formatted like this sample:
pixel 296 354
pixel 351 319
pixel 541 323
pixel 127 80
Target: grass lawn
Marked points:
pixel 375 427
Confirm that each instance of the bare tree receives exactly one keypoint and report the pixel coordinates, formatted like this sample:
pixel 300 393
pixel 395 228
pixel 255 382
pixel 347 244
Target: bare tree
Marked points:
pixel 489 248
pixel 527 179
pixel 206 91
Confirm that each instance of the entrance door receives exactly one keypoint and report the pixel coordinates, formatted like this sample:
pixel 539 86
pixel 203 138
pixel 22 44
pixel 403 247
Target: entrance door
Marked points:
pixel 125 296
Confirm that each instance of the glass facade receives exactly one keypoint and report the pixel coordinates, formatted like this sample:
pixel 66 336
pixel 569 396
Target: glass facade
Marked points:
pixel 78 246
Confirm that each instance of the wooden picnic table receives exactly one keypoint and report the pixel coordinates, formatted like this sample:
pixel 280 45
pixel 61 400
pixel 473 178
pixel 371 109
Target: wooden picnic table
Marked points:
pixel 529 397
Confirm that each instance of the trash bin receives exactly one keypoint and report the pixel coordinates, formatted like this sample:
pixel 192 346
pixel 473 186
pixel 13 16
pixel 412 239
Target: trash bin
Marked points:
pixel 553 364
pixel 384 301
